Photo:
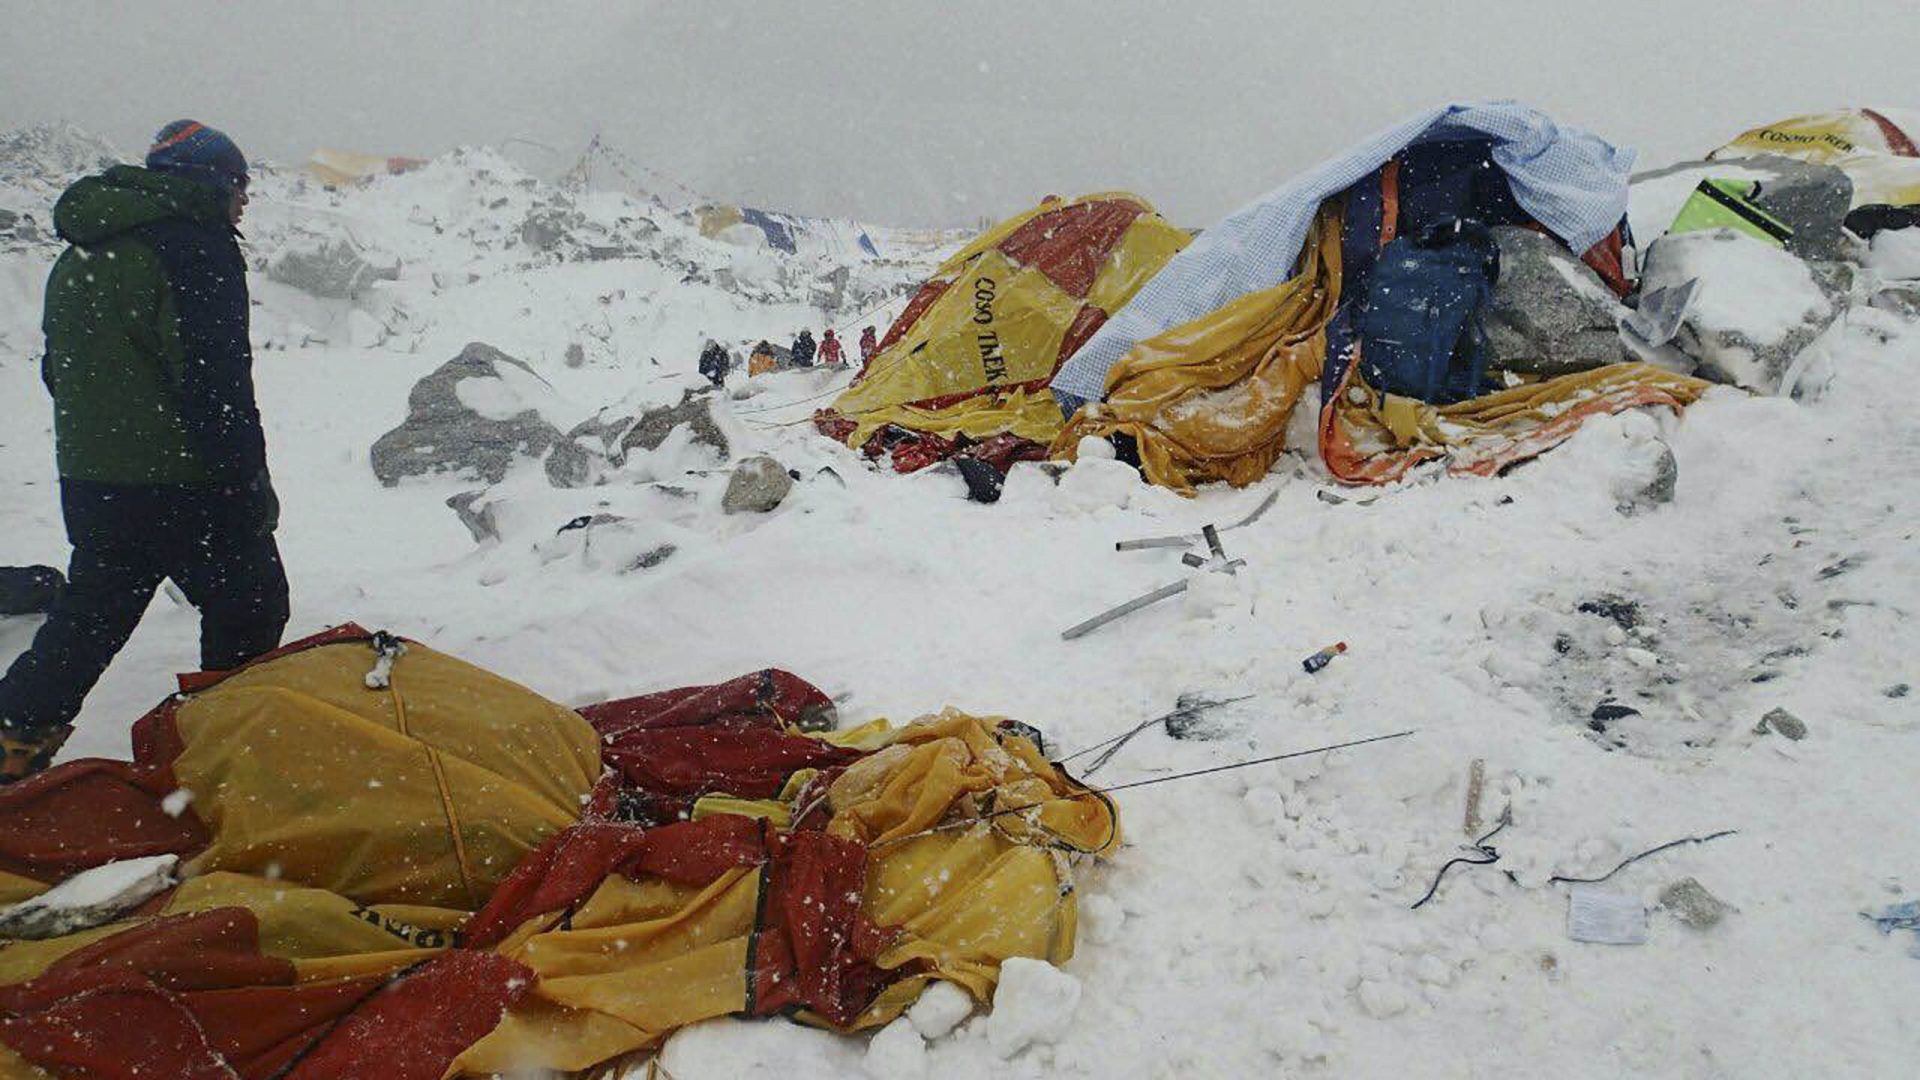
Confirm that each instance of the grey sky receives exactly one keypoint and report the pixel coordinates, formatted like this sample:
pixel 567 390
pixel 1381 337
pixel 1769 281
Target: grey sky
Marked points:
pixel 939 111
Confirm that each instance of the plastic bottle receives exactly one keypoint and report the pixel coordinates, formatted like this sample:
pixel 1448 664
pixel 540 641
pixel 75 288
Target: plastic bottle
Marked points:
pixel 1323 657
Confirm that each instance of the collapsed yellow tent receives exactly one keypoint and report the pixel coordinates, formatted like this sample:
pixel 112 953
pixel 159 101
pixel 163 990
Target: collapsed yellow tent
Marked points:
pixel 1212 399
pixel 975 348
pixel 398 864
pixel 1879 149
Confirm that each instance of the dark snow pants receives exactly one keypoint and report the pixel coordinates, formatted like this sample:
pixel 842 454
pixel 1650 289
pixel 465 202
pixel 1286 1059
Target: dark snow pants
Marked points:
pixel 216 543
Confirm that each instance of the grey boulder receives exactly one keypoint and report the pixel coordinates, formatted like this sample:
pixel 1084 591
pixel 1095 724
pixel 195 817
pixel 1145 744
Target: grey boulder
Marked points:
pixel 1551 314
pixel 442 433
pixel 758 485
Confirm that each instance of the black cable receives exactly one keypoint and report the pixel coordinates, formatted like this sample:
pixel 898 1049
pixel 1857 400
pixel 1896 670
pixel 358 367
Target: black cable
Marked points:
pixel 1631 859
pixel 1490 856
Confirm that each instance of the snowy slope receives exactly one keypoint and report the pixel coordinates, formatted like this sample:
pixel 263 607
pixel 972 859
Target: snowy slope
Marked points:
pixel 1257 922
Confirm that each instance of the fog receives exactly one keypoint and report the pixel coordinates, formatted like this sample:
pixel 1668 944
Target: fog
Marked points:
pixel 917 112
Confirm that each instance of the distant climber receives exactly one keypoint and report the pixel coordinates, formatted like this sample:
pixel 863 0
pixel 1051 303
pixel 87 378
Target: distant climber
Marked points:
pixel 830 355
pixel 803 349
pixel 762 360
pixel 714 362
pixel 869 344
pixel 163 466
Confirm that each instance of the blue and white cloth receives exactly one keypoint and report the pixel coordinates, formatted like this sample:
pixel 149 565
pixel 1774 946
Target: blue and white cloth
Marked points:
pixel 1572 182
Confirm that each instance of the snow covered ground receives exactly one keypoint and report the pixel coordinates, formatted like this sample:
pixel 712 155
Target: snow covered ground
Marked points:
pixel 1257 922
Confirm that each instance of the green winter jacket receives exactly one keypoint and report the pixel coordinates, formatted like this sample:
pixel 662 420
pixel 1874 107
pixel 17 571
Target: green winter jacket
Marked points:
pixel 146 320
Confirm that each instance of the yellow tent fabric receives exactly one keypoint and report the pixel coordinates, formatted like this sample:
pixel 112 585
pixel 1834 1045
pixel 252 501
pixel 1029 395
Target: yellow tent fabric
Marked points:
pixel 338 168
pixel 361 826
pixel 969 886
pixel 1874 147
pixel 974 351
pixel 1210 400
pixel 429 791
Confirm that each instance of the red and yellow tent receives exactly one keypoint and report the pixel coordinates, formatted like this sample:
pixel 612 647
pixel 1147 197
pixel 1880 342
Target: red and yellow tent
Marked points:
pixel 447 875
pixel 970 357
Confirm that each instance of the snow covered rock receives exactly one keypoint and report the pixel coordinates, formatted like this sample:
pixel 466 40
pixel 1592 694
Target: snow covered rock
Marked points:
pixel 604 441
pixel 473 415
pixel 331 267
pixel 88 899
pixel 1034 1003
pixel 1551 314
pixel 1758 306
pixel 940 1009
pixel 758 485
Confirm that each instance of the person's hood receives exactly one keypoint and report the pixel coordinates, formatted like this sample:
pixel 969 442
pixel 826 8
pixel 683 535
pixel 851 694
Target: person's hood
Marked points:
pixel 127 197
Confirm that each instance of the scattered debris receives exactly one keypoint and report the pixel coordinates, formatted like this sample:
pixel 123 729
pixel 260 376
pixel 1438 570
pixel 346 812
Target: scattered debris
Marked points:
pixel 1324 657
pixel 1218 564
pixel 1603 917
pixel 1834 570
pixel 1476 784
pixel 1187 539
pixel 1781 722
pixel 1691 903
pixel 1482 853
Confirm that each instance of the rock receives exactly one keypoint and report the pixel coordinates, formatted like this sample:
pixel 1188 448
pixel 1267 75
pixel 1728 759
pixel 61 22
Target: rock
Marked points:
pixel 695 410
pixel 479 518
pixel 1757 307
pixel 1690 902
pixel 1609 711
pixel 1034 1003
pixel 576 355
pixel 1551 314
pixel 332 268
pixel 1898 690
pixel 758 485
pixel 1652 479
pixel 941 1008
pixel 478 430
pixel 1619 610
pixel 603 441
pixel 1782 722
pixel 1812 199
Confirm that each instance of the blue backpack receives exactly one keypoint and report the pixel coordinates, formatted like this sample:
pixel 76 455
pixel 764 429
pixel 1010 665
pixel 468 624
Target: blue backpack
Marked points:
pixel 1422 333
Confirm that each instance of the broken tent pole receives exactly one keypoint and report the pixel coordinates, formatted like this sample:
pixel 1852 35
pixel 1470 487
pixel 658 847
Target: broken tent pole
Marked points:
pixel 1218 563
pixel 1187 539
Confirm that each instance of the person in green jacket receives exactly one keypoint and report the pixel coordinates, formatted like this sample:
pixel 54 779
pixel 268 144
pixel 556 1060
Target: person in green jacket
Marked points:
pixel 163 466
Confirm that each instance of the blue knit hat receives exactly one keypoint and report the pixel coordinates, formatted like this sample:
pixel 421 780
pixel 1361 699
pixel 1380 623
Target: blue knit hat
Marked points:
pixel 191 149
